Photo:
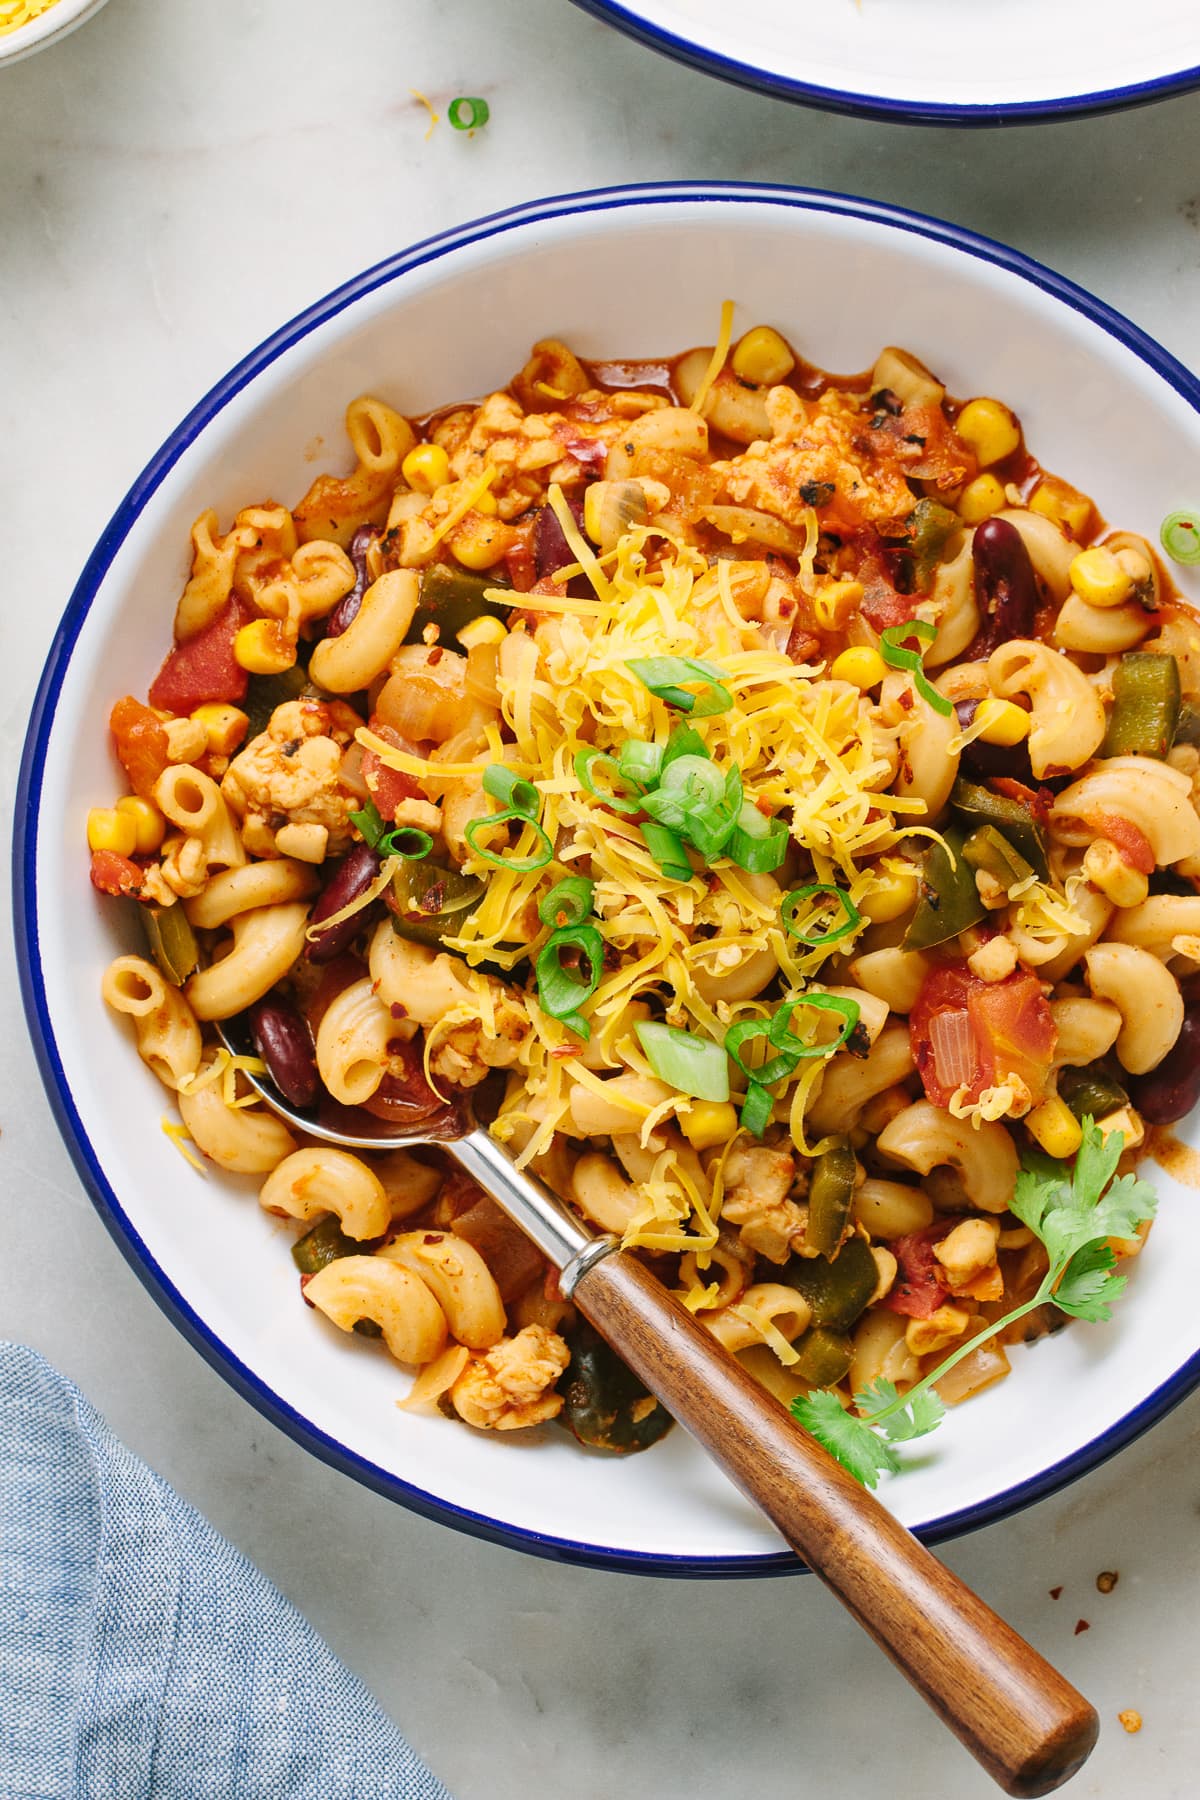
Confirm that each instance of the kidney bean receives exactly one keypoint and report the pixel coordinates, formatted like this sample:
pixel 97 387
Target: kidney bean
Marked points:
pixel 1169 1092
pixel 346 610
pixel 986 761
pixel 351 878
pixel 551 550
pixel 1006 589
pixel 283 1041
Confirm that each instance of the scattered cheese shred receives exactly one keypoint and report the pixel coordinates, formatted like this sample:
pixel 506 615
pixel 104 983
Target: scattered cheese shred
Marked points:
pixel 178 1135
pixel 470 492
pixel 717 360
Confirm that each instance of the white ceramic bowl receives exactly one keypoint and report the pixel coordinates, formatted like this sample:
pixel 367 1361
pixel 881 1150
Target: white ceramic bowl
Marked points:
pixel 929 61
pixel 631 272
pixel 48 28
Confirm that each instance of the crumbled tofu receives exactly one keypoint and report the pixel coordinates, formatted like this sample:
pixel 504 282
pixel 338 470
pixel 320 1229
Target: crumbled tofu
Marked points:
pixel 757 1184
pixel 511 1385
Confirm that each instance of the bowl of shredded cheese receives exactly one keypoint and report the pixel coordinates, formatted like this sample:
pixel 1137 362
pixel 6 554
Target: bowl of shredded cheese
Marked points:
pixel 30 25
pixel 768 792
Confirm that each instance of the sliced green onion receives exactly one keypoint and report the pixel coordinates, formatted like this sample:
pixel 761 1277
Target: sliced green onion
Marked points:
pixel 758 852
pixel 586 762
pixel 467 112
pixel 792 901
pixel 1180 535
pixel 668 852
pixel 519 865
pixel 756 1110
pixel 561 992
pixel 683 741
pixel 369 823
pixel 399 840
pixel 708 830
pixel 891 648
pixel 568 903
pixel 785 1040
pixel 640 762
pixel 662 675
pixel 511 790
pixel 694 1065
pixel 406 840
pixel 745 1032
pixel 696 777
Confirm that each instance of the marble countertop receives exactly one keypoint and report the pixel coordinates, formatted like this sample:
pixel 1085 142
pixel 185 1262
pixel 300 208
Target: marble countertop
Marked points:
pixel 177 179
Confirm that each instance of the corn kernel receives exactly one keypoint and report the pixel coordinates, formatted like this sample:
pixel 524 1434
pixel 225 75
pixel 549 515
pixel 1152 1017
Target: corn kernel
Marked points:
pixel 262 648
pixel 837 603
pixel 709 1122
pixel 486 504
pixel 426 468
pixel 1056 500
pixel 861 666
pixel 479 544
pixel 762 357
pixel 108 829
pixel 1099 578
pixel 483 630
pixel 1129 1124
pixel 150 828
pixel 894 893
pixel 980 499
pixel 224 726
pixel 1055 1127
pixel 1117 880
pixel 990 429
pixel 1001 722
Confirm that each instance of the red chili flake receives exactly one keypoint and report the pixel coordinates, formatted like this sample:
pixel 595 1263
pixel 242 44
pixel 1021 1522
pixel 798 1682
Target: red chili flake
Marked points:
pixel 1081 1625
pixel 1055 1593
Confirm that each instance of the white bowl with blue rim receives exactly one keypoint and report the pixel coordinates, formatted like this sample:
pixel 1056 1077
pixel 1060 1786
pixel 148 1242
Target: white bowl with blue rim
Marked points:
pixel 47 28
pixel 1102 405
pixel 931 61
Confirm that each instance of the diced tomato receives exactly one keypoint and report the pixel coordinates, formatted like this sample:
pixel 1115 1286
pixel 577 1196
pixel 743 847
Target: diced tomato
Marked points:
pixel 932 449
pixel 519 564
pixel 1038 800
pixel 1009 1032
pixel 1135 847
pixel 141 744
pixel 882 603
pixel 203 668
pixel 920 1286
pixel 114 874
pixel 388 787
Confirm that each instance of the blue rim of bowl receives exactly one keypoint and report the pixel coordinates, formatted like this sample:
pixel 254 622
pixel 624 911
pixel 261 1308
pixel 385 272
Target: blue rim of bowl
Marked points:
pixel 128 1240
pixel 873 106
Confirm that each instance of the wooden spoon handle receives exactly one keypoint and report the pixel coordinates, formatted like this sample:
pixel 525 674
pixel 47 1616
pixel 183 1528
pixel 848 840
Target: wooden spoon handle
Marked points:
pixel 1028 1726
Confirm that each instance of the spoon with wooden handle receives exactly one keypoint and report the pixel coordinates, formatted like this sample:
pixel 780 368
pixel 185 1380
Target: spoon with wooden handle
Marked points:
pixel 1020 1718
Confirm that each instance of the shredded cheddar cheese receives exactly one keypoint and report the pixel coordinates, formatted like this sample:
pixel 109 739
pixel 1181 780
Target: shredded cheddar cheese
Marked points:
pixel 717 360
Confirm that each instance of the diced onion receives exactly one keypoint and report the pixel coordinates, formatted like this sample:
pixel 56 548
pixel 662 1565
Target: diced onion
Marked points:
pixel 954 1051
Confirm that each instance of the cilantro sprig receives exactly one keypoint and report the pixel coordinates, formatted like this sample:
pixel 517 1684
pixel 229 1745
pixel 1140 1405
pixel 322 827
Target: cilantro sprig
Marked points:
pixel 1074 1211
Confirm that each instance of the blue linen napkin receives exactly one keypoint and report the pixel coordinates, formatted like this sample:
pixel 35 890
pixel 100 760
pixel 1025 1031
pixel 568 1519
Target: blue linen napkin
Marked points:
pixel 142 1657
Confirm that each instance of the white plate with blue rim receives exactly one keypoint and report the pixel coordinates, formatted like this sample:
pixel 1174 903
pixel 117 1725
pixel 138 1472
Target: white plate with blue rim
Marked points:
pixel 931 61
pixel 841 277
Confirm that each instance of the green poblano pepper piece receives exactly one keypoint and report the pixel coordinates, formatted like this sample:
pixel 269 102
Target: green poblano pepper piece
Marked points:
pixel 605 1405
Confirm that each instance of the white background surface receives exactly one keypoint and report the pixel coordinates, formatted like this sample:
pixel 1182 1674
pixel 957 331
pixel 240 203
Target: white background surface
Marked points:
pixel 178 178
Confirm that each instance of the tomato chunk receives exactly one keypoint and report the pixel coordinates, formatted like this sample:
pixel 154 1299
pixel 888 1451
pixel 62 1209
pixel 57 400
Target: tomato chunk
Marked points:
pixel 141 744
pixel 920 1286
pixel 968 1034
pixel 1135 847
pixel 203 668
pixel 114 874
pixel 388 787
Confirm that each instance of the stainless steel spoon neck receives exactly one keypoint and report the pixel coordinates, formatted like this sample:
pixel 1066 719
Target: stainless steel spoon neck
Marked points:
pixel 540 1214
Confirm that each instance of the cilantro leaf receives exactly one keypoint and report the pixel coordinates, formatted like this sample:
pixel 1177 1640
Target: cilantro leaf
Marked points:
pixel 1087 1289
pixel 859 1449
pixel 913 1416
pixel 1069 1210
